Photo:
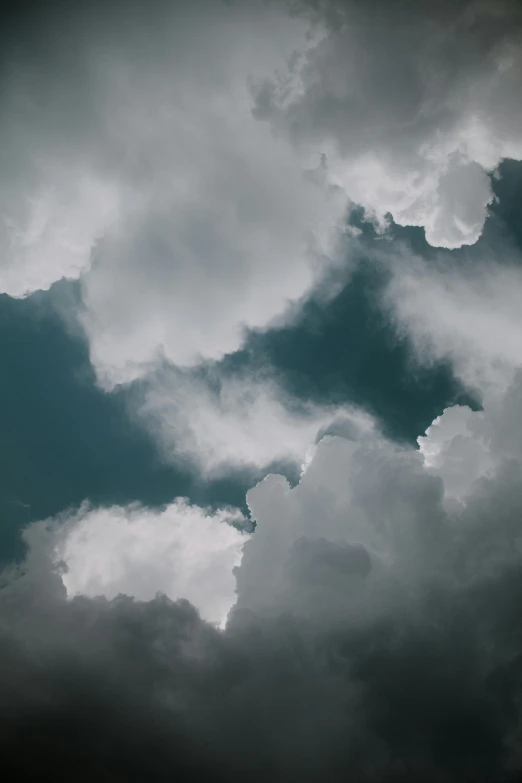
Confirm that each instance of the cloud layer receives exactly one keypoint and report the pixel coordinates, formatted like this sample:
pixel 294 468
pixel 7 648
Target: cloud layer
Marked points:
pixel 375 633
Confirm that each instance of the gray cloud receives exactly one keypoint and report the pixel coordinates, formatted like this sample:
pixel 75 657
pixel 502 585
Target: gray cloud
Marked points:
pixel 155 155
pixel 467 313
pixel 412 103
pixel 217 422
pixel 375 636
pixel 132 160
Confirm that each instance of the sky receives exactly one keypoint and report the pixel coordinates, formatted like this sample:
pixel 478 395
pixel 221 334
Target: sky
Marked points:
pixel 261 390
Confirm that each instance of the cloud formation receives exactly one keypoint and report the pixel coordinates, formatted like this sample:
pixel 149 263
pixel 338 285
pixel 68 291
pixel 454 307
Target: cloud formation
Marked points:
pixel 467 313
pixel 157 156
pixel 375 631
pixel 132 159
pixel 413 104
pixel 375 634
pixel 183 551
pixel 217 421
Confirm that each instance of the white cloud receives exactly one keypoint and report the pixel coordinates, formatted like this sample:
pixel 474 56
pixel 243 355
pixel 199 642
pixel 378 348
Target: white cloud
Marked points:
pixel 48 228
pixel 468 314
pixel 462 446
pixel 412 103
pixel 182 550
pixel 139 165
pixel 457 448
pixel 234 421
pixel 141 168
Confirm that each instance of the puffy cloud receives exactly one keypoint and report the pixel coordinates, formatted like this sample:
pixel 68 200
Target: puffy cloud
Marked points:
pixel 221 421
pixel 456 447
pixel 399 517
pixel 132 157
pixel 49 226
pixel 137 164
pixel 412 104
pixel 375 634
pixel 359 498
pixel 469 314
pixel 463 446
pixel 182 551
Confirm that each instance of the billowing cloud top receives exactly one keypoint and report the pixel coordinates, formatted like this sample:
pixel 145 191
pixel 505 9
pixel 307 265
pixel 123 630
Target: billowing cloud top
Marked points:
pixel 187 219
pixel 413 103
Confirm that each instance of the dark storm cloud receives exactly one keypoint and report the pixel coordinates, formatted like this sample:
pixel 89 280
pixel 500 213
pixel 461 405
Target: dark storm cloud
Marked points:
pixel 132 692
pixel 376 638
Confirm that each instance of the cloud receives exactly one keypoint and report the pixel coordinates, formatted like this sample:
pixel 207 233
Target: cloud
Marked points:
pixel 456 447
pixel 464 446
pixel 49 227
pixel 217 421
pixel 183 551
pixel 413 104
pixel 375 634
pixel 157 157
pixel 359 497
pixel 469 314
pixel 399 517
pixel 138 166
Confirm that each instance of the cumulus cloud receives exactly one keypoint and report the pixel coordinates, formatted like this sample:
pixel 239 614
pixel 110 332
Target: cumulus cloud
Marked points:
pixel 183 551
pixel 137 154
pixel 375 634
pixel 412 104
pixel 132 159
pixel 220 421
pixel 456 447
pixel 375 629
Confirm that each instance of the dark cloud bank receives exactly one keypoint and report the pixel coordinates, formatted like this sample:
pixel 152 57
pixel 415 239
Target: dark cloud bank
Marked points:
pixel 376 637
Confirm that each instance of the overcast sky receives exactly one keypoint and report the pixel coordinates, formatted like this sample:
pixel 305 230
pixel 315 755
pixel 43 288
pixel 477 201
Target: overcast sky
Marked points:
pixel 261 399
